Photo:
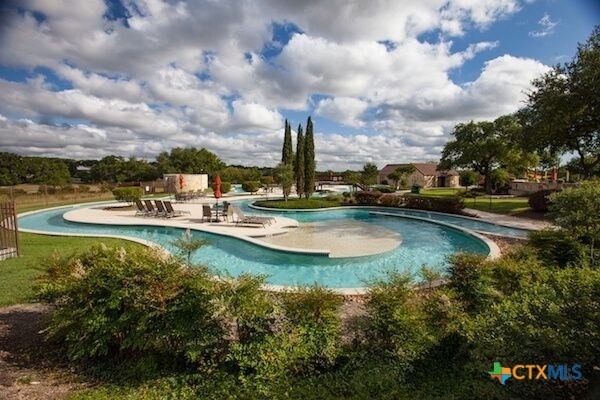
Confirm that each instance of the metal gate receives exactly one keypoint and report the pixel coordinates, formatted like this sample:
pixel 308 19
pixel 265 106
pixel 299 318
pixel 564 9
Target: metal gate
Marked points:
pixel 9 237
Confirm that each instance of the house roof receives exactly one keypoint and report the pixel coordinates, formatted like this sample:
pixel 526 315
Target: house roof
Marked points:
pixel 427 169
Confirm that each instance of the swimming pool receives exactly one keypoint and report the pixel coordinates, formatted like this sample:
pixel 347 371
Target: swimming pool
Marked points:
pixel 423 243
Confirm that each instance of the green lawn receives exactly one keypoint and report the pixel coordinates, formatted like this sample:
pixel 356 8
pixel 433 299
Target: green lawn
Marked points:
pixel 292 204
pixel 510 205
pixel 17 275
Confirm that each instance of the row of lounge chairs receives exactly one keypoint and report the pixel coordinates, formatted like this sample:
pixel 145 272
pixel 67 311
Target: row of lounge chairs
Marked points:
pixel 187 196
pixel 162 209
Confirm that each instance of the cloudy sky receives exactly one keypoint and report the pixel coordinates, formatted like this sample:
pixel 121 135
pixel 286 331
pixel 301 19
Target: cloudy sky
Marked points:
pixel 385 80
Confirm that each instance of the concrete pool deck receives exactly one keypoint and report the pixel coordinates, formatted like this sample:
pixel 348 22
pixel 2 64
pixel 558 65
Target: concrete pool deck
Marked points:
pixel 347 239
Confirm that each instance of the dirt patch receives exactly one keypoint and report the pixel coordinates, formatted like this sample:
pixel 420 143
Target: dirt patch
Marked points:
pixel 25 373
pixel 507 244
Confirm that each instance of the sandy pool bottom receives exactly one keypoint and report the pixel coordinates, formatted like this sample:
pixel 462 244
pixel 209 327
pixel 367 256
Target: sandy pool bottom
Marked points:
pixel 344 238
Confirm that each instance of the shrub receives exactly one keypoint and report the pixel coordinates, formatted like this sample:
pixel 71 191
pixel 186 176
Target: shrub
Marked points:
pixel 391 200
pixel 251 186
pixel 551 321
pixel 313 315
pixel 398 326
pixel 577 210
pixel 470 278
pixel 539 201
pixel 334 197
pixel 128 194
pixel 367 198
pixel 114 303
pixel 557 247
pixel 453 204
pixel 384 189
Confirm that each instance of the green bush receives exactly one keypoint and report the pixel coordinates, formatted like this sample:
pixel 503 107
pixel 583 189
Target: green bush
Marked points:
pixel 334 197
pixel 384 188
pixel 540 200
pixel 313 315
pixel 398 325
pixel 391 200
pixel 251 186
pixel 557 247
pixel 113 303
pixel 471 279
pixel 452 205
pixel 554 320
pixel 128 194
pixel 365 198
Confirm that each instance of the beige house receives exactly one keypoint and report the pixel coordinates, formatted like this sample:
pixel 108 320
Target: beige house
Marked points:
pixel 425 175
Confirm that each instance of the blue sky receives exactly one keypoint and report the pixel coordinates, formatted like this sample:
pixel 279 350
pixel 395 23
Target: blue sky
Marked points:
pixel 384 84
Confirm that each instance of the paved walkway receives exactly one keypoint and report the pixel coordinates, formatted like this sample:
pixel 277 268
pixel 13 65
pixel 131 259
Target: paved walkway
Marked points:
pixel 517 222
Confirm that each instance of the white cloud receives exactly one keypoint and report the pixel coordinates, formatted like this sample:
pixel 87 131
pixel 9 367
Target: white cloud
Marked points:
pixel 345 110
pixel 546 27
pixel 169 78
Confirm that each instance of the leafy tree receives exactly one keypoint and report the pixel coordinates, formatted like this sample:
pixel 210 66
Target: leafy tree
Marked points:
pixel 351 177
pixel 12 170
pixel 109 169
pixel 287 155
pixel 189 160
pixel 482 146
pixel 400 172
pixel 369 174
pixel 499 178
pixel 251 186
pixel 285 178
pixel 468 178
pixel 128 194
pixel 309 160
pixel 52 172
pixel 563 109
pixel 299 163
pixel 578 211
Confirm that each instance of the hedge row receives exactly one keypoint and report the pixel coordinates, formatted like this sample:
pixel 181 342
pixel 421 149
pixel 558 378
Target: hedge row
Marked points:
pixel 453 205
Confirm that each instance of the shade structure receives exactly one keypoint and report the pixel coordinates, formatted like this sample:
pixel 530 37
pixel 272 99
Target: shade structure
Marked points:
pixel 181 182
pixel 554 173
pixel 217 191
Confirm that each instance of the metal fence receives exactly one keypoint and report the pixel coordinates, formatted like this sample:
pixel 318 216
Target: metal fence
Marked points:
pixel 9 238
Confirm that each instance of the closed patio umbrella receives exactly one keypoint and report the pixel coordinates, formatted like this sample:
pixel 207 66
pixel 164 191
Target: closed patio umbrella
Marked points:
pixel 181 183
pixel 217 191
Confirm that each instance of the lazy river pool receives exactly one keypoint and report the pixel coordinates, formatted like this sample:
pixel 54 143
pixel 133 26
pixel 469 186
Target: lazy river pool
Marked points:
pixel 423 243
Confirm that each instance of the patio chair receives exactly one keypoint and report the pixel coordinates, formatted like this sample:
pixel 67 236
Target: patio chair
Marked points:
pixel 141 210
pixel 251 219
pixel 151 210
pixel 208 213
pixel 171 211
pixel 162 211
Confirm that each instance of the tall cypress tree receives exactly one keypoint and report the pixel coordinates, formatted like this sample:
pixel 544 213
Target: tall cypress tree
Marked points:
pixel 309 160
pixel 287 154
pixel 299 164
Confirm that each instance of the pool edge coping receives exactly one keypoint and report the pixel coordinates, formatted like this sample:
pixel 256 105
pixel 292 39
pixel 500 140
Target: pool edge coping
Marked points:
pixel 494 250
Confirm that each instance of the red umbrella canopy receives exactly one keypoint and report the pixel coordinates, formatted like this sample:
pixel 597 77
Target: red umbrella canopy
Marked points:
pixel 218 193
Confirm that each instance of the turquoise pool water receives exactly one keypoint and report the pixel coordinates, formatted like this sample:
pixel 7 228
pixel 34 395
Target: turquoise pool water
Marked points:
pixel 472 224
pixel 422 244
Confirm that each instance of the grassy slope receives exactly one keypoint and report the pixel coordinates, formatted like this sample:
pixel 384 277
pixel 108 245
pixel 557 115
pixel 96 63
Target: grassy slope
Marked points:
pixel 298 203
pixel 502 206
pixel 17 275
